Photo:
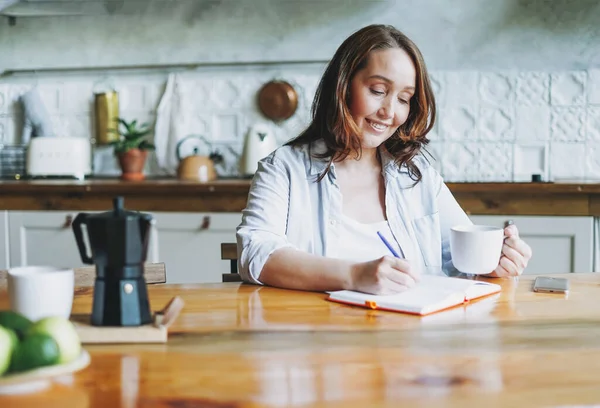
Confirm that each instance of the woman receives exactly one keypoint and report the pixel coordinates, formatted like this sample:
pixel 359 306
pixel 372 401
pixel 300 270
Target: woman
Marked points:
pixel 316 204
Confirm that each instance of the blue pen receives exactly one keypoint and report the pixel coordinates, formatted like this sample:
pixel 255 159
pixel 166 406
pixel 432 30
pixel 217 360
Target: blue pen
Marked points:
pixel 387 244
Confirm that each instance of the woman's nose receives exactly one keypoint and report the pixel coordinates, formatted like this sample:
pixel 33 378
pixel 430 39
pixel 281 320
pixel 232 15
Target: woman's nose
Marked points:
pixel 386 111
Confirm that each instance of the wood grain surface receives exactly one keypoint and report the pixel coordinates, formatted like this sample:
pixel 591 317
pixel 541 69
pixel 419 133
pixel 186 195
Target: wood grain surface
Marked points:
pixel 230 195
pixel 238 345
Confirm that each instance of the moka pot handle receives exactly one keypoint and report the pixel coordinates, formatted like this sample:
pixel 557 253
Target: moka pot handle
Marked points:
pixel 81 219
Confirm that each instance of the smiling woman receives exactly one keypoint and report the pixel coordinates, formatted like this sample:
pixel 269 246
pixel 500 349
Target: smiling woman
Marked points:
pixel 321 207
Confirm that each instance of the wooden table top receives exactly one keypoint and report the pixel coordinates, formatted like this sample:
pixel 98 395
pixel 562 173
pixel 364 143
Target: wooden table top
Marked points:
pixel 245 346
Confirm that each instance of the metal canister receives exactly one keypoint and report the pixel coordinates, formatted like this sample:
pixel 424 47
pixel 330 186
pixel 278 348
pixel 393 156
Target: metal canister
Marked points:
pixel 106 107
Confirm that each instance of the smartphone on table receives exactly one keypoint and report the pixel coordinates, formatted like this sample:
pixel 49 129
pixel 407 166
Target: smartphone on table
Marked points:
pixel 547 284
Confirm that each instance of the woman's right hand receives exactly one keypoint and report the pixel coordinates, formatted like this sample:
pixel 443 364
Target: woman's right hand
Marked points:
pixel 384 276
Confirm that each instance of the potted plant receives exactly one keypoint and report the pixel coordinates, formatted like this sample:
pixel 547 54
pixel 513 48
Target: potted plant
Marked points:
pixel 132 148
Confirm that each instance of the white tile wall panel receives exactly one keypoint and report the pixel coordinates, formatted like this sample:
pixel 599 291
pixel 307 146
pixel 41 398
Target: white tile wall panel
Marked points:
pixel 491 126
pixel 593 87
pixel 532 123
pixel 533 89
pixel 497 89
pixel 567 160
pixel 530 159
pixel 497 123
pixel 592 160
pixel 461 88
pixel 460 161
pixel 567 88
pixel 495 161
pixel 4 99
pixel 3 129
pixel 567 124
pixel 593 123
pixel 458 123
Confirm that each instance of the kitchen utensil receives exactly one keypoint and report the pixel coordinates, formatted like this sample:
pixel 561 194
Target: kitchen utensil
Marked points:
pixel 278 100
pixel 196 167
pixel 69 157
pixel 258 143
pixel 118 241
pixel 106 109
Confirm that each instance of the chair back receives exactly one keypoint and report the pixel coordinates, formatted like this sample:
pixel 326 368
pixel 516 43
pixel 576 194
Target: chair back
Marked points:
pixel 229 252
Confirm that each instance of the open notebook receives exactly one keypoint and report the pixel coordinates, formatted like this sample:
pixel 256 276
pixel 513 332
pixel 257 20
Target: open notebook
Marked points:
pixel 431 294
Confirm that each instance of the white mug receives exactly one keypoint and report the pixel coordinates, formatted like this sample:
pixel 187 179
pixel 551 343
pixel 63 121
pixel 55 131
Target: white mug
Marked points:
pixel 476 249
pixel 41 291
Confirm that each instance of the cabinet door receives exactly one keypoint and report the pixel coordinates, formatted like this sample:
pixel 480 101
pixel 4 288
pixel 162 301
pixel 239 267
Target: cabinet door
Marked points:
pixel 46 238
pixel 190 244
pixel 559 244
pixel 4 255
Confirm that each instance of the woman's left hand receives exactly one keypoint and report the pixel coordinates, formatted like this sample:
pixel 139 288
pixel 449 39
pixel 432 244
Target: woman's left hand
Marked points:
pixel 515 254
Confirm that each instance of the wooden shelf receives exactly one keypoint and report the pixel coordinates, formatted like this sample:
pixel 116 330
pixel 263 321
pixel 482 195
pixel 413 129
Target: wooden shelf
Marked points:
pixel 230 196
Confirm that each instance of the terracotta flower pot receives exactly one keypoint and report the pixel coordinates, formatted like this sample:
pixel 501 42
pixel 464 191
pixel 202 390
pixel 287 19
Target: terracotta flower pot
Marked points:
pixel 132 164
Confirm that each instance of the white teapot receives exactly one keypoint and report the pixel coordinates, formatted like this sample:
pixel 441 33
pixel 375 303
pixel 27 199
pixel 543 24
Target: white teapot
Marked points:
pixel 259 143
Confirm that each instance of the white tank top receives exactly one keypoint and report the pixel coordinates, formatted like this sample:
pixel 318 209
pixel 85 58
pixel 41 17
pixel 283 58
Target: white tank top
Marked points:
pixel 360 243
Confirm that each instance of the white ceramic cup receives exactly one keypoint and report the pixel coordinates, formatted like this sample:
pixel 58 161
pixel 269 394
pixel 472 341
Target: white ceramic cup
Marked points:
pixel 41 291
pixel 476 249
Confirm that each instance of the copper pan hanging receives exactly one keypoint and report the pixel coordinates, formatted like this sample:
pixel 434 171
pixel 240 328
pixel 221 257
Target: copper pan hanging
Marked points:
pixel 278 100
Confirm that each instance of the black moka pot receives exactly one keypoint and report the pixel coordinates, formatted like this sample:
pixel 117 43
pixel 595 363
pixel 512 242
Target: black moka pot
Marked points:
pixel 118 242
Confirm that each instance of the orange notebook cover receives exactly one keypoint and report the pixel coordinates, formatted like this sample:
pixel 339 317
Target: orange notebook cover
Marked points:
pixel 432 294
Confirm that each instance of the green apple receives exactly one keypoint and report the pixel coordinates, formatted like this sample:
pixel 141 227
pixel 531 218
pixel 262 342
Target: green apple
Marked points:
pixel 8 341
pixel 34 351
pixel 63 332
pixel 15 321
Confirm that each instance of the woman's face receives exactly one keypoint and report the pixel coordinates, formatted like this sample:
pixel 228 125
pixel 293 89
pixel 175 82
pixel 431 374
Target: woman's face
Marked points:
pixel 380 95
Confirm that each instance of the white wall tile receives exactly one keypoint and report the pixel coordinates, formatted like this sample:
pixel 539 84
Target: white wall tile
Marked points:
pixel 567 88
pixel 567 124
pixel 497 123
pixel 567 160
pixel 593 123
pixel 533 88
pixel 132 97
pixel 225 127
pixel 461 161
pixel 532 123
pixel 530 159
pixel 461 88
pixel 495 161
pixel 592 160
pixel 3 129
pixel 4 99
pixel 458 123
pixel 490 126
pixel 497 89
pixel 593 87
pixel 77 97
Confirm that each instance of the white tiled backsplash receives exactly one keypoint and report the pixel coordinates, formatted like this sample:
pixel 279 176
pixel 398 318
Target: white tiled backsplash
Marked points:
pixel 492 126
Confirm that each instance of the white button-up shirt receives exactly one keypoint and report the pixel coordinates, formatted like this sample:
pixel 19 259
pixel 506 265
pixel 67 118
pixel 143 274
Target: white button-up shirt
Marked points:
pixel 287 207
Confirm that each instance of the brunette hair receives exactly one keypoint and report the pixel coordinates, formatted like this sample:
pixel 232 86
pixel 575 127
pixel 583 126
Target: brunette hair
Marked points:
pixel 331 118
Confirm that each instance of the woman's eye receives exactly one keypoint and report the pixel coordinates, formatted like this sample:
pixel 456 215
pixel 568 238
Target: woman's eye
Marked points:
pixel 376 92
pixel 404 101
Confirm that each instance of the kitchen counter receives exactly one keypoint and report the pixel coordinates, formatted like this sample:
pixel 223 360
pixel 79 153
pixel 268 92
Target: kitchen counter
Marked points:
pixel 230 195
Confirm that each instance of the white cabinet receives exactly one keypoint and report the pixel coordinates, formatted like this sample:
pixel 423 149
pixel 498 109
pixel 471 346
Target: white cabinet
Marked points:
pixel 45 238
pixel 559 244
pixel 190 244
pixel 4 256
